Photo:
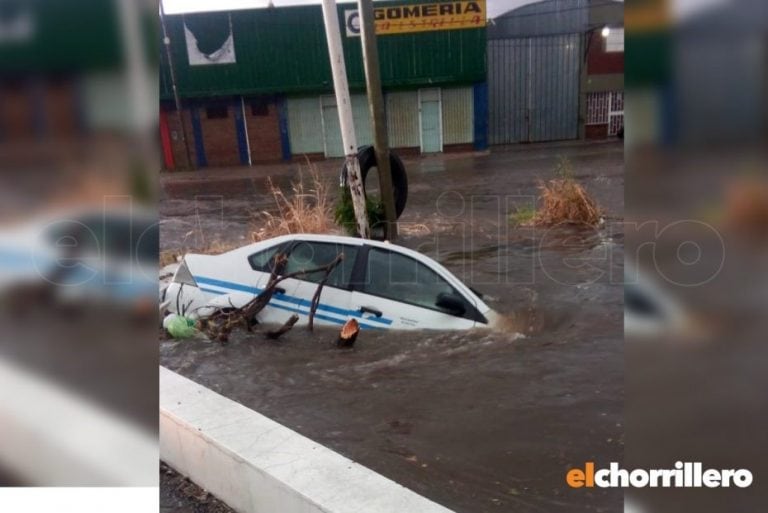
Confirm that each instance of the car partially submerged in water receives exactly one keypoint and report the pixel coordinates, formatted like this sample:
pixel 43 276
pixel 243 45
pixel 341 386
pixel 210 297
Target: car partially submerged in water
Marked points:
pixel 380 285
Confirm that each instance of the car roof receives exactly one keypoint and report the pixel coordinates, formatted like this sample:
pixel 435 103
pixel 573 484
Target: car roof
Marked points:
pixel 343 239
pixel 356 241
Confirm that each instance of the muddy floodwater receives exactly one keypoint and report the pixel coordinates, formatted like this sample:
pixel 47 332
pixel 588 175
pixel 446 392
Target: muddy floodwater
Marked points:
pixel 479 421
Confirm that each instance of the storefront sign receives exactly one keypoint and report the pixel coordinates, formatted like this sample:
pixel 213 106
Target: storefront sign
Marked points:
pixel 403 19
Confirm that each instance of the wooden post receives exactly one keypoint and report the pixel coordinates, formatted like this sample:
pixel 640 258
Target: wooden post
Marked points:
pixel 344 106
pixel 378 115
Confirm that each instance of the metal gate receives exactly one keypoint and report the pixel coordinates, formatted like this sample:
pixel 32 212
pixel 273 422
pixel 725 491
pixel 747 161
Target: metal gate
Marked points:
pixel 606 108
pixel 332 143
pixel 533 88
pixel 616 113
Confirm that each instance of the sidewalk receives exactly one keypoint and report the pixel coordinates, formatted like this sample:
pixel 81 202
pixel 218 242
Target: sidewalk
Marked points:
pixel 239 174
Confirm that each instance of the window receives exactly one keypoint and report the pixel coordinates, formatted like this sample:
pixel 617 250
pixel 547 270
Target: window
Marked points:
pixel 311 255
pixel 615 40
pixel 401 278
pixel 606 108
pixel 262 261
pixel 597 108
pixel 217 111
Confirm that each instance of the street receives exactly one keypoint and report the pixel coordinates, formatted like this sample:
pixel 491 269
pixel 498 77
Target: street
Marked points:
pixel 479 421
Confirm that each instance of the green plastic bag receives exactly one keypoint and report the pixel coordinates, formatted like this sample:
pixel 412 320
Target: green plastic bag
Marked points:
pixel 180 327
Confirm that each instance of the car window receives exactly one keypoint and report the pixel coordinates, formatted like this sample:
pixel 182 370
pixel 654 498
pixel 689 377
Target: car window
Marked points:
pixel 402 278
pixel 641 303
pixel 262 260
pixel 311 255
pixel 112 236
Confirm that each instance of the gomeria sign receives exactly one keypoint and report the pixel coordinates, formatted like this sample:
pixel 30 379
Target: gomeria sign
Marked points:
pixel 402 19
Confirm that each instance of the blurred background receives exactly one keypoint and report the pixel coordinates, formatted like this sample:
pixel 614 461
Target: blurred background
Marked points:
pixel 696 200
pixel 78 242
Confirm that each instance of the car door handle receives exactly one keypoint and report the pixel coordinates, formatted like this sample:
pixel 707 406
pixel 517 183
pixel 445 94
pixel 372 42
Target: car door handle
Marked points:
pixel 279 290
pixel 370 310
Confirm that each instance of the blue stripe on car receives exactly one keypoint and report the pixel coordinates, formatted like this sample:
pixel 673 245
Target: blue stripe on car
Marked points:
pixel 296 310
pixel 296 300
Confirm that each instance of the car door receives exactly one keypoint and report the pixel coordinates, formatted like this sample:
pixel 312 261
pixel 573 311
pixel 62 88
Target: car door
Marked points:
pixel 228 281
pixel 297 293
pixel 400 292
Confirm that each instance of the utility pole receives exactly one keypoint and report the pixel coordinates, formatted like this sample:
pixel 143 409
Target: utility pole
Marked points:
pixel 344 106
pixel 167 44
pixel 378 120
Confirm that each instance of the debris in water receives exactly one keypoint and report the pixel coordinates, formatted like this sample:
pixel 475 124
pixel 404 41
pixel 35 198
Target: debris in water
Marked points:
pixel 275 334
pixel 220 323
pixel 179 326
pixel 564 200
pixel 348 334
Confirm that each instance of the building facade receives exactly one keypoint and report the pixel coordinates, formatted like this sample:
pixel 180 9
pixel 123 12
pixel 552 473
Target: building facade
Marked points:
pixel 534 69
pixel 62 73
pixel 603 79
pixel 255 85
pixel 554 74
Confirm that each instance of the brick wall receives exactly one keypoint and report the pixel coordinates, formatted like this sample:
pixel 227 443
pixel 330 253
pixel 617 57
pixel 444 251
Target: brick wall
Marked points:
pixel 16 112
pixel 54 101
pixel 262 120
pixel 596 131
pixel 459 148
pixel 174 127
pixel 600 62
pixel 219 135
pixel 60 102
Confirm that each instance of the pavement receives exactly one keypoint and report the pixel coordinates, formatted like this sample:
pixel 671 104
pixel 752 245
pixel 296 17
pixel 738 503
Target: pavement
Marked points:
pixel 533 150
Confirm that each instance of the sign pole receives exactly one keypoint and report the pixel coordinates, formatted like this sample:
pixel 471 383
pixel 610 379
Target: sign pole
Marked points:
pixel 177 101
pixel 378 115
pixel 344 106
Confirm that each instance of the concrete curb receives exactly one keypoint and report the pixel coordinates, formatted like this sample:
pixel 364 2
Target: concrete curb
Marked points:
pixel 256 465
pixel 53 436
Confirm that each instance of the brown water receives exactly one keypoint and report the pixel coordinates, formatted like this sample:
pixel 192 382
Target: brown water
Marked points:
pixel 479 421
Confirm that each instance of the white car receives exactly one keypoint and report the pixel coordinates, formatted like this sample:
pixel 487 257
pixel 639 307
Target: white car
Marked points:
pixel 84 255
pixel 379 284
pixel 649 311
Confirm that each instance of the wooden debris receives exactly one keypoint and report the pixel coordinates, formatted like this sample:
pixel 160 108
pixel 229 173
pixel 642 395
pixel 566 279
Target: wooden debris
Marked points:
pixel 275 334
pixel 220 324
pixel 316 298
pixel 348 334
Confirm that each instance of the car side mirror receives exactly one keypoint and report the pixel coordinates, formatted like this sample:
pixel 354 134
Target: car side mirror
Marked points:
pixel 451 303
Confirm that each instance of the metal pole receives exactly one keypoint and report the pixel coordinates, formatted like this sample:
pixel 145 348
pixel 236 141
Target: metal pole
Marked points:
pixel 167 43
pixel 344 106
pixel 245 129
pixel 378 116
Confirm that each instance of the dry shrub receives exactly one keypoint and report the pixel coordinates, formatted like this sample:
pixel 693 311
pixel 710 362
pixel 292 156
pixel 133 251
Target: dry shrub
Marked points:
pixel 564 200
pixel 216 247
pixel 306 209
pixel 746 207
pixel 169 257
